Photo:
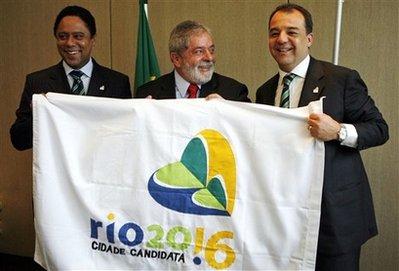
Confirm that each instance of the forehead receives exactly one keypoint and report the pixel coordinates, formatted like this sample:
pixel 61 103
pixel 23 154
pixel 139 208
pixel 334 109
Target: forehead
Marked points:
pixel 72 24
pixel 284 19
pixel 200 39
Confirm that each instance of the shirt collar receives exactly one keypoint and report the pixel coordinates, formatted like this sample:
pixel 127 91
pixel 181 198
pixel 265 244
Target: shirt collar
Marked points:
pixel 86 69
pixel 300 70
pixel 182 84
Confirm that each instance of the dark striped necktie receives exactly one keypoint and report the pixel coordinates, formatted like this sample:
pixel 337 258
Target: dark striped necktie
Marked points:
pixel 77 86
pixel 285 93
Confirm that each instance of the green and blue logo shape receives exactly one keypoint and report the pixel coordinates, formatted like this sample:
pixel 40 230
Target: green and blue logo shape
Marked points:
pixel 203 182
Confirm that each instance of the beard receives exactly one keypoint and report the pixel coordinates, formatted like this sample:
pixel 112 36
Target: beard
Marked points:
pixel 196 76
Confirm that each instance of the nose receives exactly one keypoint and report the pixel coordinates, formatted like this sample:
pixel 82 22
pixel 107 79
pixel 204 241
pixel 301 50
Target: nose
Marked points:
pixel 70 41
pixel 282 37
pixel 209 55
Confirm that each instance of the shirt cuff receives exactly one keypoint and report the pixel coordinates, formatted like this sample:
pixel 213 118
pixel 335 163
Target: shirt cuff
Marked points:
pixel 351 136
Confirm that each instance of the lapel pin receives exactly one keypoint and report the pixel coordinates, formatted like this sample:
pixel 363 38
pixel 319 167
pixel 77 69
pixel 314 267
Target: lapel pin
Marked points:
pixel 316 90
pixel 102 87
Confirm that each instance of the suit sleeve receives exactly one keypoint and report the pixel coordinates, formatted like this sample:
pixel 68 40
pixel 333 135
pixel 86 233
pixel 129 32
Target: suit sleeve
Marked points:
pixel 142 92
pixel 243 94
pixel 127 92
pixel 231 90
pixel 21 129
pixel 261 95
pixel 139 93
pixel 361 111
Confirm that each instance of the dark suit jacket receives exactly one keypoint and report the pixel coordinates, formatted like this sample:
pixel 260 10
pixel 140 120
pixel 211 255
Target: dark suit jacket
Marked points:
pixel 53 79
pixel 347 213
pixel 165 88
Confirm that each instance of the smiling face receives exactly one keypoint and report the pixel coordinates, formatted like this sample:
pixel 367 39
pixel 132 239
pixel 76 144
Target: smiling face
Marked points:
pixel 288 41
pixel 74 41
pixel 196 64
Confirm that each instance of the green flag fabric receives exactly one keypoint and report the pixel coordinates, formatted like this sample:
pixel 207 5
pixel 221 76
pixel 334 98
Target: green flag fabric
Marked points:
pixel 147 68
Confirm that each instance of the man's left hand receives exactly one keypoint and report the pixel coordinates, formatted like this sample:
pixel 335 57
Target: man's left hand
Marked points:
pixel 323 127
pixel 213 96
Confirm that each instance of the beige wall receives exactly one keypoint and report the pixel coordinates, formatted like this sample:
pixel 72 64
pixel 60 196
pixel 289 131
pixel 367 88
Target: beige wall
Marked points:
pixel 369 44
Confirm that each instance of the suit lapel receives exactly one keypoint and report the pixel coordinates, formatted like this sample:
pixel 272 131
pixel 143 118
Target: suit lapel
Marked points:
pixel 270 93
pixel 168 87
pixel 98 81
pixel 314 84
pixel 58 80
pixel 210 87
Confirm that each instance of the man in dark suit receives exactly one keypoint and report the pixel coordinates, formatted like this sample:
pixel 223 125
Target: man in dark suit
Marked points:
pixel 192 53
pixel 77 73
pixel 350 122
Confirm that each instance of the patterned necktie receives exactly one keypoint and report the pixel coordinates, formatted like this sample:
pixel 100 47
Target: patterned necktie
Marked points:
pixel 77 86
pixel 192 91
pixel 285 94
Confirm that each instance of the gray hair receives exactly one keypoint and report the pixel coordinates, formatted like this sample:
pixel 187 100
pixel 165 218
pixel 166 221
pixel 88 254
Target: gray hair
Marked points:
pixel 181 34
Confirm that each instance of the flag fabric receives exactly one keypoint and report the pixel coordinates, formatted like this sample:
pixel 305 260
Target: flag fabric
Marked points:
pixel 147 68
pixel 140 184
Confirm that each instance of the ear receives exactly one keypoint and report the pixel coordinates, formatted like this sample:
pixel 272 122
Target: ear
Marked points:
pixel 93 39
pixel 176 59
pixel 310 39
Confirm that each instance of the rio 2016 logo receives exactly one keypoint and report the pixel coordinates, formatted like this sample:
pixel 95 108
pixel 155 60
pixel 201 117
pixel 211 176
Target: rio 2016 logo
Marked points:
pixel 203 182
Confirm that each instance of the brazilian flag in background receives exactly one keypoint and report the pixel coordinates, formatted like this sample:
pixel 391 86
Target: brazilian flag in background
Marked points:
pixel 147 68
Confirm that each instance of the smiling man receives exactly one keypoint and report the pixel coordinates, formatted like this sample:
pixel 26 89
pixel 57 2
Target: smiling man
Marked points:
pixel 192 53
pixel 351 122
pixel 78 73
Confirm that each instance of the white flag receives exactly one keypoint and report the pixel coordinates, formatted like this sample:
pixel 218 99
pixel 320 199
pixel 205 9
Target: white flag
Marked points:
pixel 174 184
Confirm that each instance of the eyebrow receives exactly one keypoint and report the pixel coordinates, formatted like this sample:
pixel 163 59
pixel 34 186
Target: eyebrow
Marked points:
pixel 204 47
pixel 73 32
pixel 288 28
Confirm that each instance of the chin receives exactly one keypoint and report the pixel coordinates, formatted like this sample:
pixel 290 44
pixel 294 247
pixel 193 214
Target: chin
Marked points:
pixel 283 62
pixel 205 78
pixel 75 66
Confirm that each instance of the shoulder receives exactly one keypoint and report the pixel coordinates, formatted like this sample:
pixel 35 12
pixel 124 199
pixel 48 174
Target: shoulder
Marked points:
pixel 110 73
pixel 226 81
pixel 117 82
pixel 269 84
pixel 163 85
pixel 45 73
pixel 169 77
pixel 227 87
pixel 331 70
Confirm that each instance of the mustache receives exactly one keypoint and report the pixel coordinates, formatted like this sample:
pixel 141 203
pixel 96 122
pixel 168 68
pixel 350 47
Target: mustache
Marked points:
pixel 206 64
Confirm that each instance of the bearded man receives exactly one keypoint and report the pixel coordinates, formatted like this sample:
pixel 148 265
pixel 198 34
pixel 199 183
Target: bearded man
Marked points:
pixel 192 53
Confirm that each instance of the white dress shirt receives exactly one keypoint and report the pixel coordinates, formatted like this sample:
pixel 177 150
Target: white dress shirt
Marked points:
pixel 182 86
pixel 296 84
pixel 87 71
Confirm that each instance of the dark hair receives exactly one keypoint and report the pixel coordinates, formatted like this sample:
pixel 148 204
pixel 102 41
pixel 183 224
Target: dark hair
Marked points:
pixel 80 12
pixel 290 8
